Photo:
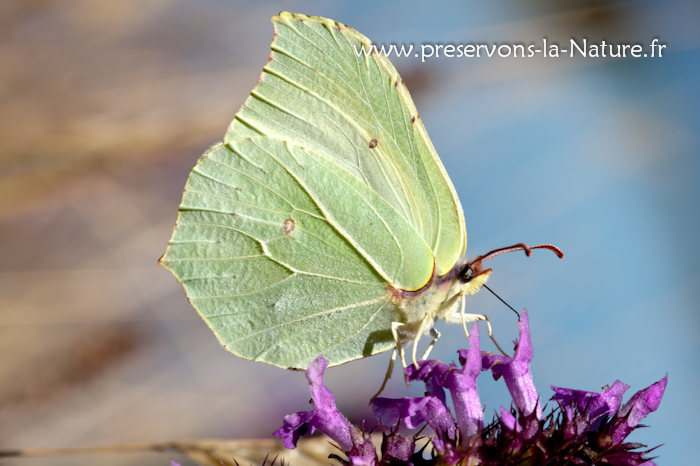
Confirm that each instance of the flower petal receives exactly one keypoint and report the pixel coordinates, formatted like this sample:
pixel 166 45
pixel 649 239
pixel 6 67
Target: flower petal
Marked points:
pixel 596 407
pixel 462 386
pixel 509 420
pixel 326 418
pixel 294 426
pixel 516 371
pixel 637 408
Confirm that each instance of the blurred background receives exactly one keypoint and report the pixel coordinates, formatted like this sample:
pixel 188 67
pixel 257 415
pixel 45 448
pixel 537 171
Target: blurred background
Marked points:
pixel 106 106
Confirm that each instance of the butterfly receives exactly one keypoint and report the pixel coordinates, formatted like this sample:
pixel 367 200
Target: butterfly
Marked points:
pixel 324 222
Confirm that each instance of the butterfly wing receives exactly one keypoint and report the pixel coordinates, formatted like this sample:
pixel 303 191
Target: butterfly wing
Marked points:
pixel 325 195
pixel 319 91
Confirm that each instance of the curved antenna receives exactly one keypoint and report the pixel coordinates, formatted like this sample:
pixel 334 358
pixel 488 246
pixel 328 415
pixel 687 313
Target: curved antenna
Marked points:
pixel 474 268
pixel 520 247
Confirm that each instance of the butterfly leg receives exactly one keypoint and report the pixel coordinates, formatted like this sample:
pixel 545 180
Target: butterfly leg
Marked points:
pixel 435 334
pixel 395 326
pixel 416 338
pixel 387 376
pixel 474 317
pixel 461 315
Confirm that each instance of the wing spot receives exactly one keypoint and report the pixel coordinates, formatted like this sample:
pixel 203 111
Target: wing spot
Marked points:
pixel 289 226
pixel 373 143
pixel 413 119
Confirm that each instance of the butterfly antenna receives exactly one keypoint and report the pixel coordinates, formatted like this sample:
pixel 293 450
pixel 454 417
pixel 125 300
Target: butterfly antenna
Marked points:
pixel 521 247
pixel 516 247
pixel 501 300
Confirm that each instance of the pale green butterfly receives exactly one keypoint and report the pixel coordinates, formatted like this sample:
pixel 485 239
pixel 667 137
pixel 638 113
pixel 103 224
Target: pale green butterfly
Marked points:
pixel 325 221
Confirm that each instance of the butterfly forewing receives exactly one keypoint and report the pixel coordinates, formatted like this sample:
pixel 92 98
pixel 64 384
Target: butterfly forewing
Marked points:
pixel 319 91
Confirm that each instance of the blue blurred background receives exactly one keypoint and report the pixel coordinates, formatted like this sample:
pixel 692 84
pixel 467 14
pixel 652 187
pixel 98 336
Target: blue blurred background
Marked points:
pixel 106 107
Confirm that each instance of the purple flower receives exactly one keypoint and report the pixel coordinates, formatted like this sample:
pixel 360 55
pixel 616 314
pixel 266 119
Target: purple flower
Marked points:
pixel 584 428
pixel 516 371
pixel 462 386
pixel 596 407
pixel 598 419
pixel 592 410
pixel 326 418
pixel 432 409
pixel 413 412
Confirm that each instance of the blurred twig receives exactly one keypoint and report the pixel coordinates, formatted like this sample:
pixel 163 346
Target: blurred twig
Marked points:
pixel 309 452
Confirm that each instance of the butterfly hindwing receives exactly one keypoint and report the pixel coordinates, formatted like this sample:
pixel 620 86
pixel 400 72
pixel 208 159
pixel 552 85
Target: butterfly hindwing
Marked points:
pixel 267 254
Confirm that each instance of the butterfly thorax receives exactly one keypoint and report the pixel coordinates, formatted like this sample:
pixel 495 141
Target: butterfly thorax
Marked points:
pixel 438 298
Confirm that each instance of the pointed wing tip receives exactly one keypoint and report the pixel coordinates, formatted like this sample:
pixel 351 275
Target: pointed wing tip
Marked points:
pixel 164 262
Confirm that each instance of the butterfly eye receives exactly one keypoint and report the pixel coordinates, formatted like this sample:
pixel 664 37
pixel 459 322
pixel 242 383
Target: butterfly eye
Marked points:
pixel 467 274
